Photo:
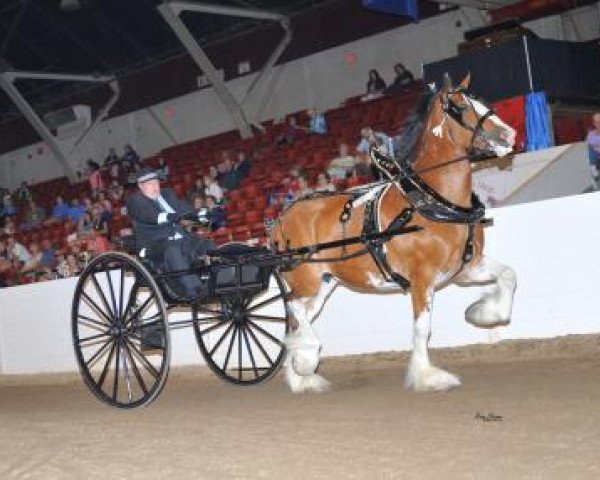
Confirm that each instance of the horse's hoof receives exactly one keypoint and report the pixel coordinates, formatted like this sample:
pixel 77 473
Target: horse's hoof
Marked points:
pixel 431 379
pixel 483 315
pixel 316 383
pixel 309 383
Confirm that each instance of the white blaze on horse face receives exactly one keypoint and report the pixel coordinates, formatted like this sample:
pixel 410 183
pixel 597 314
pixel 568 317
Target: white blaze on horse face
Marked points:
pixel 509 134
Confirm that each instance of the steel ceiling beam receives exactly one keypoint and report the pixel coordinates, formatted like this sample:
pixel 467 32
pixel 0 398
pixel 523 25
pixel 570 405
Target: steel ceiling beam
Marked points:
pixel 171 12
pixel 229 11
pixel 7 83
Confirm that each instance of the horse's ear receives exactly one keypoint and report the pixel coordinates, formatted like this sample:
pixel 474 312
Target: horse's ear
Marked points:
pixel 464 85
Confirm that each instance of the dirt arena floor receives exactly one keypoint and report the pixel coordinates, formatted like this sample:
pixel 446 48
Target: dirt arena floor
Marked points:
pixel 547 394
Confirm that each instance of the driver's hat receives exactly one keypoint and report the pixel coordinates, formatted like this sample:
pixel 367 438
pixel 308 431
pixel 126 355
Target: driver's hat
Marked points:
pixel 146 174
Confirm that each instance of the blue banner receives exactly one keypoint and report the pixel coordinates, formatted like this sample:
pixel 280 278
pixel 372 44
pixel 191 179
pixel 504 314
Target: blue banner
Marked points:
pixel 406 8
pixel 537 122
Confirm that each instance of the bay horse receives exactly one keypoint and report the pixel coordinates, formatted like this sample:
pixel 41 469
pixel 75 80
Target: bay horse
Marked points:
pixel 430 189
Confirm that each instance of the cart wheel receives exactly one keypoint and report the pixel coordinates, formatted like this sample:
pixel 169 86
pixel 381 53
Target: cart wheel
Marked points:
pixel 241 335
pixel 120 332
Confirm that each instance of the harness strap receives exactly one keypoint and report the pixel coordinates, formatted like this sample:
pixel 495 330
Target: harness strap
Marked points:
pixel 375 247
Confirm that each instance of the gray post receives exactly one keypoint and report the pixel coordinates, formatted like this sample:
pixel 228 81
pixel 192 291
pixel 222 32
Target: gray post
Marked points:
pixel 529 76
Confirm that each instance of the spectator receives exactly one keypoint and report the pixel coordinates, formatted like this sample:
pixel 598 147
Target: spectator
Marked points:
pixel 8 207
pixel 290 133
pixel 94 177
pixel 324 183
pixel 317 123
pixel 363 170
pixel 198 203
pixel 115 191
pixel 97 243
pixel 303 189
pixel 375 86
pixel 48 255
pixel 34 261
pixel 104 207
pixel 17 251
pixel 229 178
pixel 4 257
pixel 212 172
pixel 162 169
pixel 85 224
pixel 76 211
pixel 130 156
pixel 213 188
pixel 9 227
pixel 215 214
pixel 593 141
pixel 70 267
pixel 23 194
pixel 60 211
pixel 112 158
pixel 34 216
pixel 243 164
pixel 369 139
pixel 341 166
pixel 403 79
pixel 198 189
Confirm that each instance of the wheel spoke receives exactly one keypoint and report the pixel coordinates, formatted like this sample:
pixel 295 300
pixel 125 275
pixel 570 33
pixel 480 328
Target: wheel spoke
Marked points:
pixel 132 298
pixel 229 349
pixel 141 308
pixel 250 352
pixel 136 370
pixel 208 319
pixel 261 348
pixel 106 365
pixel 147 365
pixel 93 337
pixel 265 333
pixel 99 352
pixel 94 306
pixel 265 302
pixel 240 354
pixel 127 377
pixel 116 377
pixel 121 292
pixel 213 327
pixel 218 344
pixel 267 318
pixel 113 300
pixel 95 324
pixel 101 294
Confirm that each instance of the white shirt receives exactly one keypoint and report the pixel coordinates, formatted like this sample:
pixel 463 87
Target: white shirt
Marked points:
pixel 162 217
pixel 214 190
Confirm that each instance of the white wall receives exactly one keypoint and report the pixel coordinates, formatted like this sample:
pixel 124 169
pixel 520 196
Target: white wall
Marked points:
pixel 323 80
pixel 550 173
pixel 552 245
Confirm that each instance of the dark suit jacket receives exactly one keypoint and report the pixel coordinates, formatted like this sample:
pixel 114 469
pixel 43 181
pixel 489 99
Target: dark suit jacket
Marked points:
pixel 144 213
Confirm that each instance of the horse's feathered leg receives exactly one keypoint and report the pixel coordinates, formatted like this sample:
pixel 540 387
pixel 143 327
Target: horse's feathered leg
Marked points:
pixel 303 344
pixel 421 375
pixel 495 307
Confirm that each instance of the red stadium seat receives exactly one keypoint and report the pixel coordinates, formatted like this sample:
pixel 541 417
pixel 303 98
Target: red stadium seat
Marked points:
pixel 241 234
pixel 253 216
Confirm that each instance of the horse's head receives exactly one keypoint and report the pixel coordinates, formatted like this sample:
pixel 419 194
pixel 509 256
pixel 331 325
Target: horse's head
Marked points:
pixel 480 132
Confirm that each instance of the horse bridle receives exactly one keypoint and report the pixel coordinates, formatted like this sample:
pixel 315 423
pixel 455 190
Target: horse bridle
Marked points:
pixel 455 112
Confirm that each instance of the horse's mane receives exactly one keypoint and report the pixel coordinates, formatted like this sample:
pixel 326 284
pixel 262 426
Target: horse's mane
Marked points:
pixel 412 128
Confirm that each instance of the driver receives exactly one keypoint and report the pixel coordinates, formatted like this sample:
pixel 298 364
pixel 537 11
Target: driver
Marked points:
pixel 156 216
